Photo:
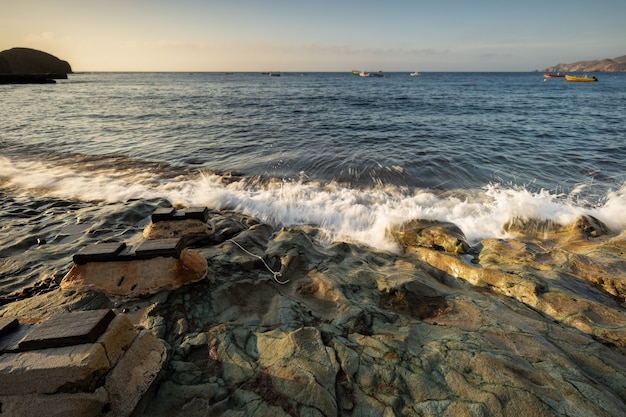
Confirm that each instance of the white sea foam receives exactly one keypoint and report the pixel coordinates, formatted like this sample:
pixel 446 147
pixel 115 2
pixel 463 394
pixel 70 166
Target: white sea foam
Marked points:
pixel 341 213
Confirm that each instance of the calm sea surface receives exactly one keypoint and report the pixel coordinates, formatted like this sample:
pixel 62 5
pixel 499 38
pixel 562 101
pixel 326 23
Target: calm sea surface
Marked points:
pixel 90 157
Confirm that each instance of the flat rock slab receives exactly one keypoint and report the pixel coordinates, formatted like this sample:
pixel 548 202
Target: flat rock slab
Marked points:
pixel 98 252
pixel 161 247
pixel 118 251
pixel 7 325
pixel 10 342
pixel 169 213
pixel 68 329
pixel 137 278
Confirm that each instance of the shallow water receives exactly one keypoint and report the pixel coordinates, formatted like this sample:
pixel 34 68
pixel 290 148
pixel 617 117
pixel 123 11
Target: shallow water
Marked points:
pixel 90 157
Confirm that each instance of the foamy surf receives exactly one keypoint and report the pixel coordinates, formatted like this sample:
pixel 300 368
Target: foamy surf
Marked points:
pixel 341 213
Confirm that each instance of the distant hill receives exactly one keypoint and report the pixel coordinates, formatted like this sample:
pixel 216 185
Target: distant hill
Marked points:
pixel 605 65
pixel 31 61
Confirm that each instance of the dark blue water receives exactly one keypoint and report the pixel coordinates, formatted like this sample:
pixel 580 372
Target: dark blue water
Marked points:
pixel 90 157
pixel 438 130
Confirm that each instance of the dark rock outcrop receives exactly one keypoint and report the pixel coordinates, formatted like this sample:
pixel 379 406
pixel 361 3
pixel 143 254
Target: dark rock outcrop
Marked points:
pixel 21 65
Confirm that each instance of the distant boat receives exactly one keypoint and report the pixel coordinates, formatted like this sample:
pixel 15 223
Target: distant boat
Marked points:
pixel 377 74
pixel 355 72
pixel 364 74
pixel 274 74
pixel 549 75
pixel 414 74
pixel 584 79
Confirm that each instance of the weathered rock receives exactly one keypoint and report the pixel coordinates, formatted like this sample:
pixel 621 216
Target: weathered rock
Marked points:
pixel 137 278
pixel 529 326
pixel 169 223
pixel 105 377
pixel 300 367
pixel 134 374
pixel 432 234
pixel 178 229
pixel 46 371
pixel 81 404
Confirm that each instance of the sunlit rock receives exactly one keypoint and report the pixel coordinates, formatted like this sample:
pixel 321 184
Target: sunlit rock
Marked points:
pixel 118 272
pixel 167 223
pixel 104 376
pixel 432 234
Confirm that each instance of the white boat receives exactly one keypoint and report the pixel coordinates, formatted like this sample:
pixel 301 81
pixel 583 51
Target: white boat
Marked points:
pixel 364 74
pixel 414 74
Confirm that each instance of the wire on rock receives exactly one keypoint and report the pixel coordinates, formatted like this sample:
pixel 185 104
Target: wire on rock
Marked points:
pixel 275 274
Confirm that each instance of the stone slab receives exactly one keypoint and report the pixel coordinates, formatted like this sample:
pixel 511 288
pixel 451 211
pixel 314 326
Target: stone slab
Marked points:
pixel 197 213
pixel 7 325
pixel 191 213
pixel 10 341
pixel 117 338
pixel 136 371
pixel 98 252
pixel 78 404
pixel 163 213
pixel 137 278
pixel 161 247
pixel 48 371
pixel 68 329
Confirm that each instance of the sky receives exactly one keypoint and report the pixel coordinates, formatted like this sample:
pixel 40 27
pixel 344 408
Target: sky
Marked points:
pixel 317 35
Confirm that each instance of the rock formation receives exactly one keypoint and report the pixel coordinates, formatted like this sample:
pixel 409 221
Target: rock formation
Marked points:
pixel 531 326
pixel 128 273
pixel 605 65
pixel 31 61
pixel 85 363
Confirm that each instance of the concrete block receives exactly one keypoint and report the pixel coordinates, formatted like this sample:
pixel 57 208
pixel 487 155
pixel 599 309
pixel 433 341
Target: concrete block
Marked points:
pixel 46 371
pixel 135 372
pixel 66 329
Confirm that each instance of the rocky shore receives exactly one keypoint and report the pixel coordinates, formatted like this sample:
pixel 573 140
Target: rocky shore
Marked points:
pixel 282 325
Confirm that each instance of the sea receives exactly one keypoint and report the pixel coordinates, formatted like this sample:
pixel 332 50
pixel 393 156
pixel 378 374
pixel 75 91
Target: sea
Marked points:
pixel 89 158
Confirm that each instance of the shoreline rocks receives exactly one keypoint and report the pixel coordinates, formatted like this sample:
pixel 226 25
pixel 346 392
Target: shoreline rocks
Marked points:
pixel 529 326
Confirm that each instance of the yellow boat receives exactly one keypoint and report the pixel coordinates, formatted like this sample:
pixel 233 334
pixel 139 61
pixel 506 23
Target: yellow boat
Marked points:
pixel 584 79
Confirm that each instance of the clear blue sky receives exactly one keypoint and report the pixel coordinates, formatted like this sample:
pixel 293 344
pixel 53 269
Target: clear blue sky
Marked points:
pixel 316 35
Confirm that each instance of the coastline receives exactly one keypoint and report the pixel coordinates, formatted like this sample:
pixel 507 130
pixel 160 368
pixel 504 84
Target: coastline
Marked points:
pixel 531 325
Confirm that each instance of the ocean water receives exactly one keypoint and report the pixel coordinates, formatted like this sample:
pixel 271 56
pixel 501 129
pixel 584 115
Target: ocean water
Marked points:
pixel 90 157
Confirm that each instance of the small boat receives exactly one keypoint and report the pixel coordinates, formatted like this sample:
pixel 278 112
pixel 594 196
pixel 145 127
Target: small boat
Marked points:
pixel 414 74
pixel 549 75
pixel 377 74
pixel 364 74
pixel 274 74
pixel 584 79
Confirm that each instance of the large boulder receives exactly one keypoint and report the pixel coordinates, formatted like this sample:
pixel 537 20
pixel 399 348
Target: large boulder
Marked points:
pixel 438 235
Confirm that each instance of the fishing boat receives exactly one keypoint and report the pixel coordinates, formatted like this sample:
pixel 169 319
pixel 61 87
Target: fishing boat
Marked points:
pixel 549 75
pixel 364 74
pixel 584 79
pixel 414 74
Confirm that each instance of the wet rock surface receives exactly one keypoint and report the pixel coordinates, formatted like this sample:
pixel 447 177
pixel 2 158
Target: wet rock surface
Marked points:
pixel 531 326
